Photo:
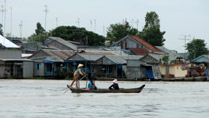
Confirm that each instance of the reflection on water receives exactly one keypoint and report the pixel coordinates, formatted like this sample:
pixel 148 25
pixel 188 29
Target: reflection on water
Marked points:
pixel 47 99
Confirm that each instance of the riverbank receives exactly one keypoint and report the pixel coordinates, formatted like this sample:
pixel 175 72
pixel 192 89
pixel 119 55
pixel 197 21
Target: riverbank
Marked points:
pixel 189 79
pixel 203 78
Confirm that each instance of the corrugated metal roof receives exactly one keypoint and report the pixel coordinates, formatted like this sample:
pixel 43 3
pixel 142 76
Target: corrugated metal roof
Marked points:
pixel 160 56
pixel 105 51
pixel 62 54
pixel 122 59
pixel 136 63
pixel 93 53
pixel 139 51
pixel 145 44
pixel 48 58
pixel 139 40
pixel 64 42
pixel 202 58
pixel 16 60
pixel 166 50
pixel 85 57
pixel 7 43
pixel 91 57
pixel 157 56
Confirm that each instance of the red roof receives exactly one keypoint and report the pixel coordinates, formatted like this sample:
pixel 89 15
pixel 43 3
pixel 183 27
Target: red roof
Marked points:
pixel 145 44
pixel 139 51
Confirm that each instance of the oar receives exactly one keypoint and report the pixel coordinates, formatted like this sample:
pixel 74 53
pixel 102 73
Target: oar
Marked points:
pixel 67 88
pixel 85 76
pixel 78 83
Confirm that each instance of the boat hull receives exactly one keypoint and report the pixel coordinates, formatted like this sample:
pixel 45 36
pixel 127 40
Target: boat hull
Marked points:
pixel 131 90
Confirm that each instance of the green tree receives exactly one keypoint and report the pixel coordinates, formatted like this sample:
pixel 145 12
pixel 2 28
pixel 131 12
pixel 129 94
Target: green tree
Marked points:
pixel 81 35
pixel 165 58
pixel 39 29
pixel 195 48
pixel 39 35
pixel 1 31
pixel 118 31
pixel 37 38
pixel 151 32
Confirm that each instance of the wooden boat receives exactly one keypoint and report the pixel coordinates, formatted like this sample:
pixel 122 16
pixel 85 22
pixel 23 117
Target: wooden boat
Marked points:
pixel 122 90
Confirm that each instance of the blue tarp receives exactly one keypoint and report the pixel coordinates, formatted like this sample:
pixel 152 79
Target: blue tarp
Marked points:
pixel 149 73
pixel 119 66
pixel 68 61
pixel 207 72
pixel 48 62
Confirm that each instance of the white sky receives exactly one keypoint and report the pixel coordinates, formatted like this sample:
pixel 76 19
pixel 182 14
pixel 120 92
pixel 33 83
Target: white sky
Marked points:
pixel 177 17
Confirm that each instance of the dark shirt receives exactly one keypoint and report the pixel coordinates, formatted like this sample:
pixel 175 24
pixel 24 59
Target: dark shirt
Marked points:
pixel 114 86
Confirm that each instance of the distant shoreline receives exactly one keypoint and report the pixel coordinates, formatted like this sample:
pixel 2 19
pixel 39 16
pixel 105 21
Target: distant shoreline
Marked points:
pixel 183 79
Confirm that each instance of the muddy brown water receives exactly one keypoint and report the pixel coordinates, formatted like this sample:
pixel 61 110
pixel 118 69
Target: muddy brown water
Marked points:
pixel 46 99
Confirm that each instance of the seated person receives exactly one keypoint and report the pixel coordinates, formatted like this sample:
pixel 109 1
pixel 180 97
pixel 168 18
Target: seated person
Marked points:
pixel 115 85
pixel 91 85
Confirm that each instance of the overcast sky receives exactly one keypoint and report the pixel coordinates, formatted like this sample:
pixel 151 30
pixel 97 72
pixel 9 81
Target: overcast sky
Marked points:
pixel 177 17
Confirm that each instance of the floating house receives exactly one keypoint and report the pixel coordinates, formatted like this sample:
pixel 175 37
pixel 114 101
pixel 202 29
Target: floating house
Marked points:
pixel 112 66
pixel 178 70
pixel 140 70
pixel 16 68
pixel 50 63
pixel 203 59
pixel 11 63
pixel 130 42
pixel 85 58
pixel 152 65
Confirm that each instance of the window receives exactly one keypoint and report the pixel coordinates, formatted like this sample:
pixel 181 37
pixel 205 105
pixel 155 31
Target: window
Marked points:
pixel 167 69
pixel 38 66
pixel 183 67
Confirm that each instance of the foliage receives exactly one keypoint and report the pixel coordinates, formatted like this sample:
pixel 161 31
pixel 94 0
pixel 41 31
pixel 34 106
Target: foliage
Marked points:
pixel 39 35
pixel 195 48
pixel 165 58
pixel 37 38
pixel 73 33
pixel 39 29
pixel 1 31
pixel 151 32
pixel 118 31
pixel 173 61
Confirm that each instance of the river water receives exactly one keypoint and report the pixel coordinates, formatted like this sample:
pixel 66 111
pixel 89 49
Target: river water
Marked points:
pixel 46 99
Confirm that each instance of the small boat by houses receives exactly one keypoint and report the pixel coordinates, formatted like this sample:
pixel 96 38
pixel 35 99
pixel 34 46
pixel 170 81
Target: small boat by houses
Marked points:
pixel 121 90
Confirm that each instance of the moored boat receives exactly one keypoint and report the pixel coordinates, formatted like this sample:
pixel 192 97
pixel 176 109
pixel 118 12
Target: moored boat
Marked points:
pixel 121 90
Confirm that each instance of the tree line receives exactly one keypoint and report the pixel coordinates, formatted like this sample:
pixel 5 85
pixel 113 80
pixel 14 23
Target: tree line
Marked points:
pixel 150 33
